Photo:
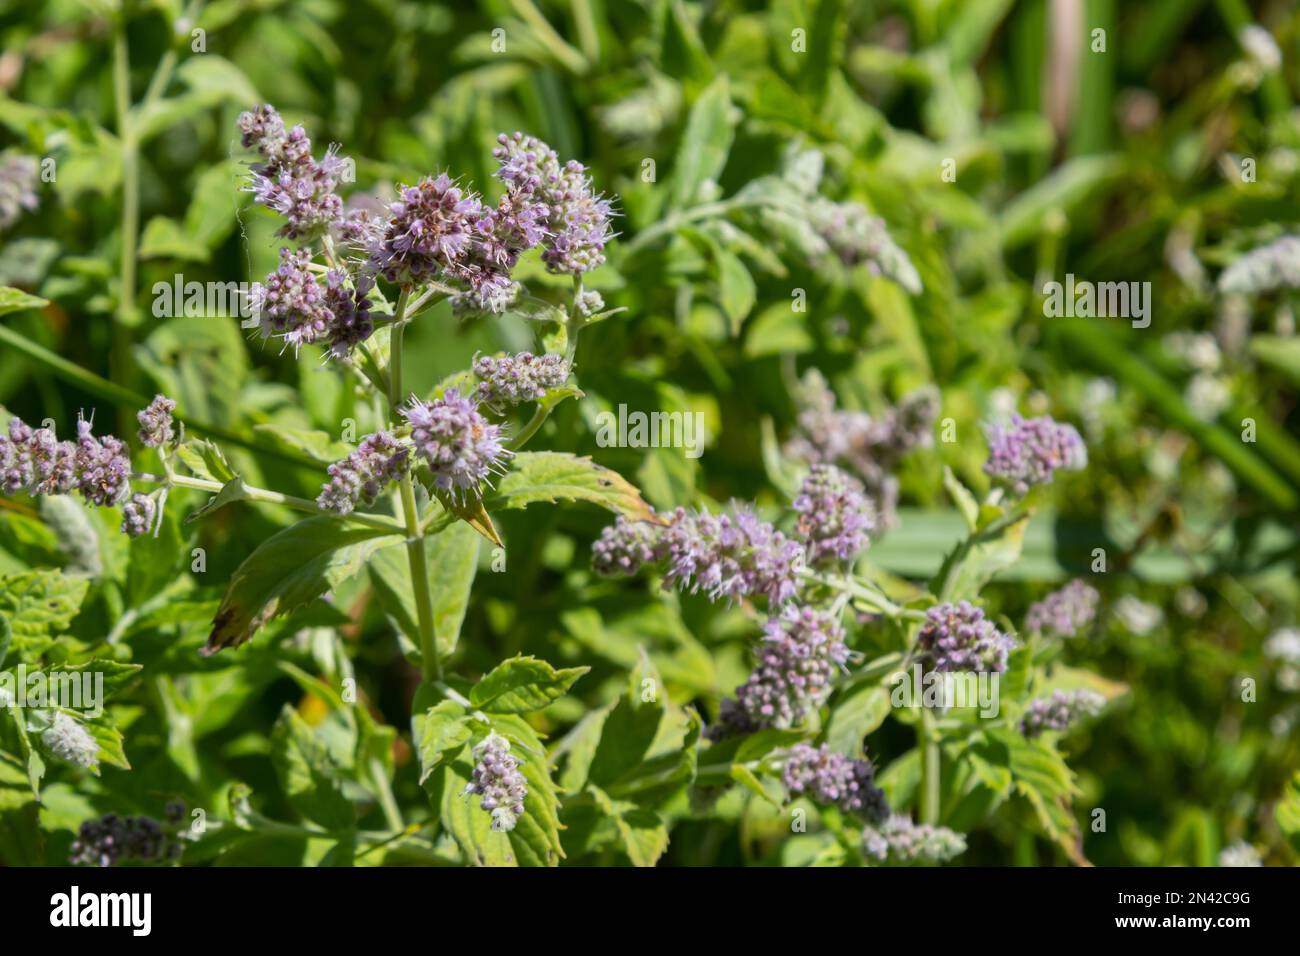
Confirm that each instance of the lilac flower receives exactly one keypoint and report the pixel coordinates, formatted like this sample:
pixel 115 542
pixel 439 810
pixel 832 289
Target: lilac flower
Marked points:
pixel 291 303
pixel 460 446
pixel 897 839
pixel 497 778
pixel 856 237
pixel 112 839
pixel 360 477
pixel 33 461
pixel 1064 612
pixel 1031 450
pixel 958 637
pixel 577 220
pixel 430 230
pixel 834 515
pixel 832 778
pixel 66 739
pixel 514 379
pixel 626 546
pixel 731 556
pixel 290 181
pixel 1060 711
pixel 19 176
pixel 102 466
pixel 865 446
pixel 349 323
pixel 792 676
pixel 156 422
pixel 138 515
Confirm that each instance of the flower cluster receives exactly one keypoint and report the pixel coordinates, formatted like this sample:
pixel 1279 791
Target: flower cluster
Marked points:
pixel 359 478
pixel 1064 612
pixel 1060 711
pixel 958 637
pixel 18 179
pixel 111 839
pixel 429 231
pixel 898 840
pixel 34 461
pixel 460 446
pixel 730 556
pixel 514 379
pixel 856 237
pixel 1272 266
pixel 577 220
pixel 796 661
pixel 138 515
pixel 832 778
pixel 1030 451
pixel 156 422
pixel 68 740
pixel 289 180
pixel 866 446
pixel 835 515
pixel 625 547
pixel 496 777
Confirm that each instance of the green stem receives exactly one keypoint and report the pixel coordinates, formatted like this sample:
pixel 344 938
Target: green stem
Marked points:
pixel 392 813
pixel 568 57
pixel 931 770
pixel 419 568
pixel 270 497
pixel 395 350
pixel 120 355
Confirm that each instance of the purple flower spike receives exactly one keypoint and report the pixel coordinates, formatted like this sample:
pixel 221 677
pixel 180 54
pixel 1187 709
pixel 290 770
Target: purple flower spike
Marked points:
pixel 1031 450
pixel 835 516
pixel 290 181
pixel 1060 711
pixel 731 556
pixel 460 446
pixel 497 779
pixel 360 477
pixel 514 379
pixel 958 637
pixel 1064 613
pixel 156 422
pixel 834 779
pixel 627 546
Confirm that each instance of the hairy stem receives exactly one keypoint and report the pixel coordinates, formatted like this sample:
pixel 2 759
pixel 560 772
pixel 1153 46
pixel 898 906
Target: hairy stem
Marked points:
pixel 270 497
pixel 395 350
pixel 931 771
pixel 419 568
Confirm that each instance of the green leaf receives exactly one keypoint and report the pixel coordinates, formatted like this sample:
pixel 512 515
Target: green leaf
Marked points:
pixel 961 496
pixel 289 570
pixel 1043 778
pixel 521 685
pixel 1066 188
pixel 705 144
pixel 549 476
pixel 736 291
pixel 16 300
pixel 778 330
pixel 974 562
pixel 317 445
pixel 232 491
pixel 1288 812
pixel 452 557
pixel 642 833
pixel 444 730
pixel 205 460
pixel 859 713
pixel 38 605
pixel 535 840
pixel 308 776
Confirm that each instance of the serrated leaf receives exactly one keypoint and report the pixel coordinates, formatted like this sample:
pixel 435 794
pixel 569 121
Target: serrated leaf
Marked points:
pixel 521 685
pixel 205 460
pixel 642 832
pixel 38 605
pixel 290 569
pixel 444 730
pixel 309 778
pixel 859 713
pixel 232 491
pixel 548 476
pixel 16 300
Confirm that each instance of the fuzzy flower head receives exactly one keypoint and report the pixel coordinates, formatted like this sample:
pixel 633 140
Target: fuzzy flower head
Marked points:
pixel 68 740
pixel 430 231
pixel 858 238
pixel 832 778
pixel 625 547
pixel 1060 711
pixel 897 839
pixel 138 515
pixel 291 303
pixel 578 221
pixel 1031 450
pixel 156 422
pixel 349 322
pixel 731 556
pixel 498 780
pixel 289 180
pixel 460 446
pixel 19 176
pixel 835 516
pixel 958 637
pixel 1065 612
pixel 796 661
pixel 515 379
pixel 103 468
pixel 34 461
pixel 358 479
